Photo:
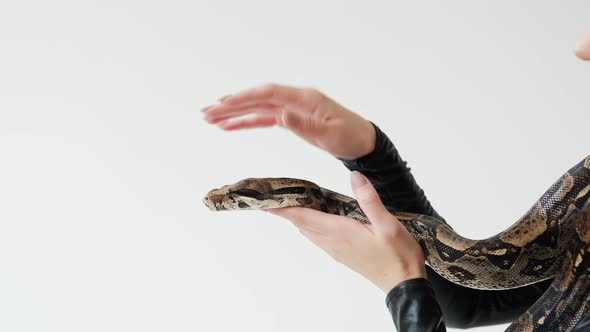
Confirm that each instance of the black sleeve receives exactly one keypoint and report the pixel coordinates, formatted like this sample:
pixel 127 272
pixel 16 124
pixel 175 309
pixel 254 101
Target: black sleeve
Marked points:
pixel 462 307
pixel 391 177
pixel 413 307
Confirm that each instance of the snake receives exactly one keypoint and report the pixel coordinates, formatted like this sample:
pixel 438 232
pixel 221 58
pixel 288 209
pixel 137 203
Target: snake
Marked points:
pixel 551 240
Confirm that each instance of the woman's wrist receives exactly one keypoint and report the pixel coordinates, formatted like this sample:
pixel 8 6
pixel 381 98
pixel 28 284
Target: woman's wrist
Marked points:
pixel 390 280
pixel 364 141
pixel 371 138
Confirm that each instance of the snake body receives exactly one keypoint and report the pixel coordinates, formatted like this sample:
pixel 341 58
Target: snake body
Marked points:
pixel 551 240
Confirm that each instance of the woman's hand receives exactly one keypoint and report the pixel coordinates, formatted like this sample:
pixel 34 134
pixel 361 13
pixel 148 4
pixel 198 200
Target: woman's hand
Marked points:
pixel 306 112
pixel 582 49
pixel 383 252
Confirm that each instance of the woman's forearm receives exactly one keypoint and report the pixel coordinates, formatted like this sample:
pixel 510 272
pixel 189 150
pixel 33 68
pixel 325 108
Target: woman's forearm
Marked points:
pixel 399 191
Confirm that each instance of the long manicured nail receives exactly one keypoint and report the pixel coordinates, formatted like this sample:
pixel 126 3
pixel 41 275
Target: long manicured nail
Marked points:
pixel 224 98
pixel 358 179
pixel 206 108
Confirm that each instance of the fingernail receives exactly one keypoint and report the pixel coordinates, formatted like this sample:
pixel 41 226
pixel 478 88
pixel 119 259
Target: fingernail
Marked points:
pixel 223 123
pixel 206 108
pixel 358 179
pixel 224 98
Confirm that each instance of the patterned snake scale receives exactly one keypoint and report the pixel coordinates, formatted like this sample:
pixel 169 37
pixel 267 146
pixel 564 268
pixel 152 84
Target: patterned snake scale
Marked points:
pixel 551 240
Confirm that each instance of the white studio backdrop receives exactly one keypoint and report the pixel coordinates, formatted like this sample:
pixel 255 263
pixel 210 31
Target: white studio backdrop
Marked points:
pixel 104 157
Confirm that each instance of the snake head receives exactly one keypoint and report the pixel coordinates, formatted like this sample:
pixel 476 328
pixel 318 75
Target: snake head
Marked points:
pixel 216 200
pixel 242 195
pixel 263 193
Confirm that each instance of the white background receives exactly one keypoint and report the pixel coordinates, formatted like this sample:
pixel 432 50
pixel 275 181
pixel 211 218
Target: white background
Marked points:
pixel 104 157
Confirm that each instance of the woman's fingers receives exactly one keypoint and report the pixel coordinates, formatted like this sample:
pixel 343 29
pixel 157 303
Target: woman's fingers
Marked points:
pixel 268 93
pixel 306 218
pixel 219 113
pixel 582 49
pixel 370 202
pixel 311 233
pixel 256 121
pixel 297 98
pixel 321 241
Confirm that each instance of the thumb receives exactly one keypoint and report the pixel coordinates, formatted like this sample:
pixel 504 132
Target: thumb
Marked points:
pixel 369 200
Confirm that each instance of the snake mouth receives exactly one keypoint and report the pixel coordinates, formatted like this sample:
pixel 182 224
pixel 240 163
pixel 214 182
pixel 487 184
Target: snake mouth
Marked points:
pixel 214 200
pixel 208 203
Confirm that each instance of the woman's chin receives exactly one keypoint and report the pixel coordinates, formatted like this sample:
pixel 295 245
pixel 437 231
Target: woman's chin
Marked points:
pixel 582 49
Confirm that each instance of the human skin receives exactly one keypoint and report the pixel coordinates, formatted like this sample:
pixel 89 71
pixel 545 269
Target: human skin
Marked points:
pixel 383 252
pixel 306 112
pixel 582 49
